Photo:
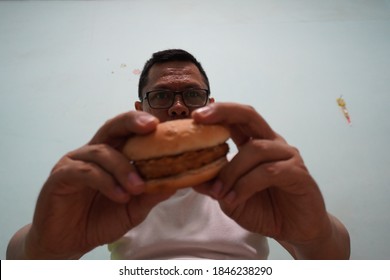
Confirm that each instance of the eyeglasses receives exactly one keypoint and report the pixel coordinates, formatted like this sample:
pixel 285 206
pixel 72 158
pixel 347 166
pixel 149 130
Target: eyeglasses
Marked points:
pixel 163 99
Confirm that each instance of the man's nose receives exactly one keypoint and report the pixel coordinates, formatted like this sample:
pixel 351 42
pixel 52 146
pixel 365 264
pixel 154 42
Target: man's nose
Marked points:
pixel 179 109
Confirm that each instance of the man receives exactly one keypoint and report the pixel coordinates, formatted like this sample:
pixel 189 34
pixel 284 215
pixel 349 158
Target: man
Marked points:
pixel 93 196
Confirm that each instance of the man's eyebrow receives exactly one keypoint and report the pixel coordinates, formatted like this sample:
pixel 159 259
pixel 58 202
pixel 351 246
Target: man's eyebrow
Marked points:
pixel 168 87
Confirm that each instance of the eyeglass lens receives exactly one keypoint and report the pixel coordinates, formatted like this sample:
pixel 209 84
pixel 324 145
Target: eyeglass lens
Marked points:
pixel 165 99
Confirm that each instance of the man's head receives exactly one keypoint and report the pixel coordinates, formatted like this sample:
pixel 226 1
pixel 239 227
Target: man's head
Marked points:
pixel 168 56
pixel 172 85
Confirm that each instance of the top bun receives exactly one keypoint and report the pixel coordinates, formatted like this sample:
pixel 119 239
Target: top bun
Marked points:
pixel 174 137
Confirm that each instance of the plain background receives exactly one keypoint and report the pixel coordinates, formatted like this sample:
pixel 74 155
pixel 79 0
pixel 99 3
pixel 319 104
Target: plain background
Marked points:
pixel 68 66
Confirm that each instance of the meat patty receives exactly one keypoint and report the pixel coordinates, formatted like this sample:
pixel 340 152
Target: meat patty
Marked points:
pixel 172 165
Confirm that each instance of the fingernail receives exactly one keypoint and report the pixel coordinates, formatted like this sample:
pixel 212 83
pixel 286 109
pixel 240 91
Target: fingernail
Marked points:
pixel 136 182
pixel 216 189
pixel 146 119
pixel 204 111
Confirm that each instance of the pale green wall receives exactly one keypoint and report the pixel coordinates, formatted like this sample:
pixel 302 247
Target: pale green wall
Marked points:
pixel 67 66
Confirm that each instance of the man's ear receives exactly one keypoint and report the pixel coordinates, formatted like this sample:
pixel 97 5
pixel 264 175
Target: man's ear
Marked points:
pixel 138 105
pixel 211 100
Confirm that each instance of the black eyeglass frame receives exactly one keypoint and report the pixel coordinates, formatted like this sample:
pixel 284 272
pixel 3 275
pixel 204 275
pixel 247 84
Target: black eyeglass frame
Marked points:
pixel 177 92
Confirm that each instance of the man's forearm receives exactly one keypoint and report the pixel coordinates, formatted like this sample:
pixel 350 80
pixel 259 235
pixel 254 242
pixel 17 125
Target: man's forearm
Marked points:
pixel 336 246
pixel 16 248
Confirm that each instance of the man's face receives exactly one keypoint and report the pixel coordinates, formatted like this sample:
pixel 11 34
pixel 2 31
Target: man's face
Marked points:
pixel 174 76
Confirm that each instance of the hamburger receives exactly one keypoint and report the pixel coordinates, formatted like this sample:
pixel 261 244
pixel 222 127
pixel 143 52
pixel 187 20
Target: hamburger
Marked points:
pixel 178 154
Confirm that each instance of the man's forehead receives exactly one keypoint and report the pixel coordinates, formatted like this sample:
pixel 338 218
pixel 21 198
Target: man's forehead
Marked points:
pixel 173 67
pixel 174 73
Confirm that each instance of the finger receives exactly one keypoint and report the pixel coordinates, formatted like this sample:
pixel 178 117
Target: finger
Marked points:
pixel 244 120
pixel 89 175
pixel 283 175
pixel 250 156
pixel 113 163
pixel 124 125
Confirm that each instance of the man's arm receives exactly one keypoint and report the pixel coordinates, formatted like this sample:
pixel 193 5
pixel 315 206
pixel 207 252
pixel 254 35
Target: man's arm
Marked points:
pixel 16 248
pixel 92 196
pixel 19 247
pixel 335 246
pixel 267 188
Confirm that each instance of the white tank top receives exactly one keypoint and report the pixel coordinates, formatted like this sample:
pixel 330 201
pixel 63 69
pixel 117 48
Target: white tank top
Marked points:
pixel 189 226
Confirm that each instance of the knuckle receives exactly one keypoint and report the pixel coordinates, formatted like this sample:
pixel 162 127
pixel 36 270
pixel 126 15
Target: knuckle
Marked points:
pixel 295 153
pixel 71 169
pixel 86 168
pixel 273 170
pixel 294 150
pixel 98 149
pixel 261 145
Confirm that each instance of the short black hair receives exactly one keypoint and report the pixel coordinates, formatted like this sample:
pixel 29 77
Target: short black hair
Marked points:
pixel 168 56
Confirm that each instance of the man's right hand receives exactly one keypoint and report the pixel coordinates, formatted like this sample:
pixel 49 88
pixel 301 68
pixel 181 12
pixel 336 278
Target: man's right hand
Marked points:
pixel 92 197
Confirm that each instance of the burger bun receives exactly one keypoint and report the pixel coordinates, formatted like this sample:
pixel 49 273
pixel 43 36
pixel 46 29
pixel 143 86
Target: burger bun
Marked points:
pixel 176 144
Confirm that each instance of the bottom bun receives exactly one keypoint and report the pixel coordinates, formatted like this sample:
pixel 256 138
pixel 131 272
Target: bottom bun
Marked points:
pixel 187 179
